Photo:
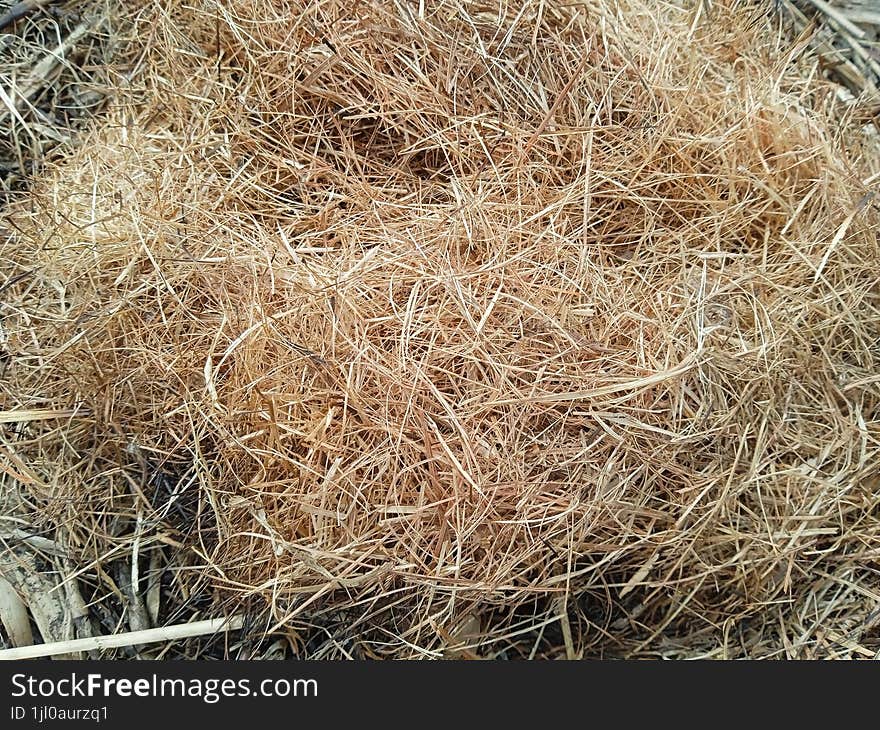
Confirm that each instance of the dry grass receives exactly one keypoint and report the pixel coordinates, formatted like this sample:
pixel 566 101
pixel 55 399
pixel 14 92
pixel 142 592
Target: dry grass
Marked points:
pixel 845 35
pixel 57 67
pixel 452 332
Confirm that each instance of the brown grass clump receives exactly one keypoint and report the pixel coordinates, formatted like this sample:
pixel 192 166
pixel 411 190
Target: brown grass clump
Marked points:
pixel 458 331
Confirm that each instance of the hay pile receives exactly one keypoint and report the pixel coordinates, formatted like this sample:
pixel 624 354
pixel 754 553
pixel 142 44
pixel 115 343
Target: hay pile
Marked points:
pixel 444 330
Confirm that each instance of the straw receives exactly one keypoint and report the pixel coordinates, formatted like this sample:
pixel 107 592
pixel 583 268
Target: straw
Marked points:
pixel 147 636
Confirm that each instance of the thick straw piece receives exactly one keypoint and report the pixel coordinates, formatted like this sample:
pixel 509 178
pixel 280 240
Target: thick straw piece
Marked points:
pixel 35 414
pixel 147 636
